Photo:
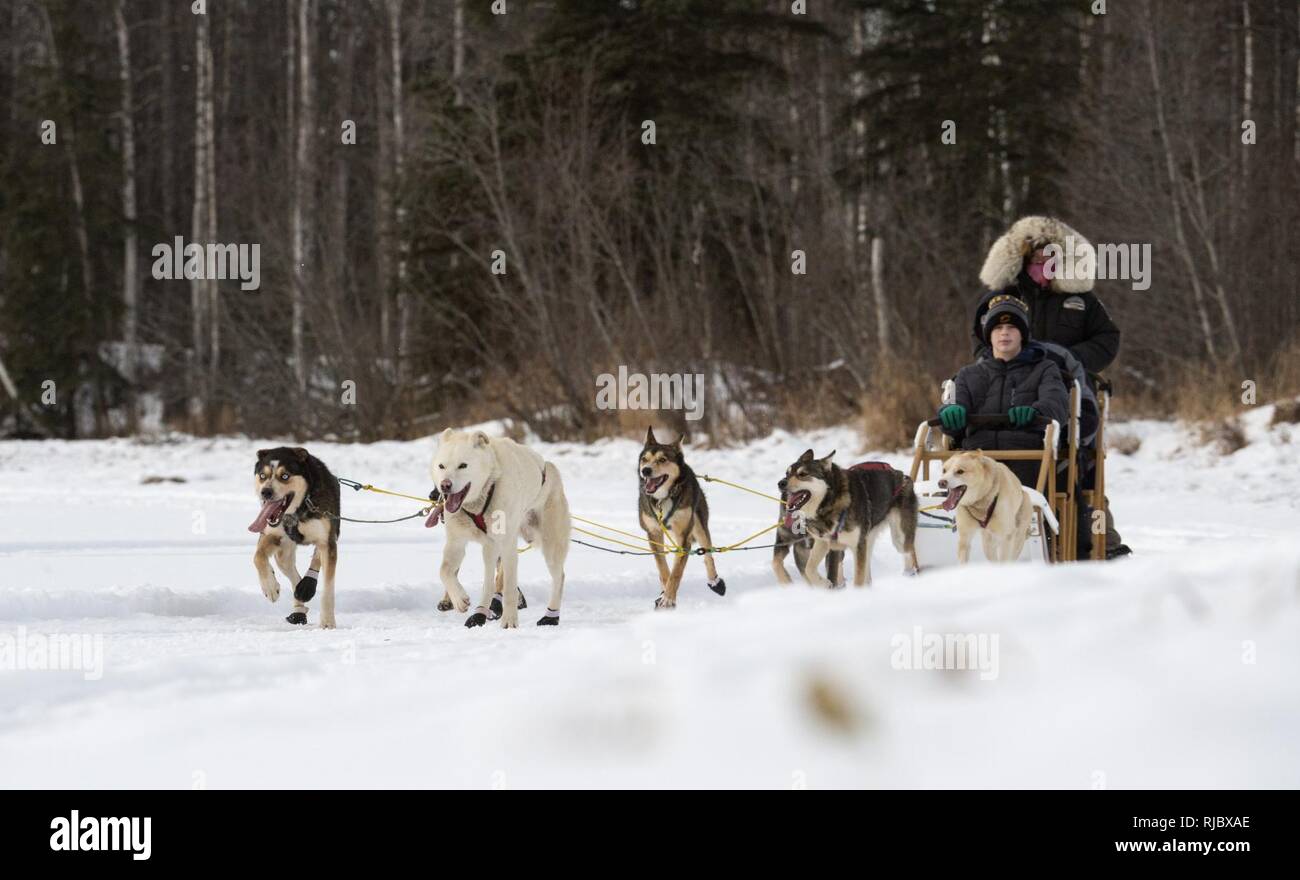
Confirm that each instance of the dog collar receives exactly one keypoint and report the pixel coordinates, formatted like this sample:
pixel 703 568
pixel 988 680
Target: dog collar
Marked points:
pixel 984 523
pixel 480 517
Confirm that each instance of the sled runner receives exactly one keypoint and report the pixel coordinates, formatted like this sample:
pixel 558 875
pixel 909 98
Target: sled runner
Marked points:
pixel 1054 526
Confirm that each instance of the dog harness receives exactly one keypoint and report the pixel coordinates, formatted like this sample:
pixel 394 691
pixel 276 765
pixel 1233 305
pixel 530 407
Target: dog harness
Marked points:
pixel 874 466
pixel 879 466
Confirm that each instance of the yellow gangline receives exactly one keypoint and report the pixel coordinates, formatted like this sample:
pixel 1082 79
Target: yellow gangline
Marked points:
pixel 741 488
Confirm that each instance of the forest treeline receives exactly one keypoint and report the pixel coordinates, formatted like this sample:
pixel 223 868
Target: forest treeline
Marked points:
pixel 462 214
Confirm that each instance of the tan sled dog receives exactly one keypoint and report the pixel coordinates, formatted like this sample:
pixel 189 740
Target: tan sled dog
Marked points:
pixel 988 499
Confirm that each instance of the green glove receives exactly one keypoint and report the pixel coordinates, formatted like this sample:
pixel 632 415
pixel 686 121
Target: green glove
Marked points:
pixel 1022 415
pixel 953 417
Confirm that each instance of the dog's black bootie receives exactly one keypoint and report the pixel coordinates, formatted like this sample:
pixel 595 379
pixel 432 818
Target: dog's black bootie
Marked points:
pixel 496 605
pixel 719 586
pixel 549 620
pixel 445 605
pixel 478 618
pixel 298 618
pixel 305 588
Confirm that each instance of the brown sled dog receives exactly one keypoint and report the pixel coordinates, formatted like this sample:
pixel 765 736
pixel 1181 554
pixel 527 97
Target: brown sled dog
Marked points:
pixel 670 496
pixel 300 505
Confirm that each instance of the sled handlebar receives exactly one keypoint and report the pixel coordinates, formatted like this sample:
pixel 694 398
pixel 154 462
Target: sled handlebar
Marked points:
pixel 991 421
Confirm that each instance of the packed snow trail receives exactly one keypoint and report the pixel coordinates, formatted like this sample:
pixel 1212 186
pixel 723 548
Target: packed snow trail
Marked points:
pixel 1174 668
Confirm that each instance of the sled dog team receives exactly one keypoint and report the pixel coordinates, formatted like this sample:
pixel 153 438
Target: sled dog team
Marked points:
pixel 493 491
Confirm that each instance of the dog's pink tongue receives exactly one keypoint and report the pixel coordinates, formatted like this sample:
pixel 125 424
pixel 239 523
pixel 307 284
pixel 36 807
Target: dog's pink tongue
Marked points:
pixel 267 509
pixel 789 521
pixel 434 518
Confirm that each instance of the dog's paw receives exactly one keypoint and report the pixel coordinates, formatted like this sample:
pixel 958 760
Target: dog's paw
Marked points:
pixel 822 582
pixel 719 586
pixel 445 604
pixel 327 622
pixel 271 588
pixel 663 603
pixel 523 603
pixel 549 620
pixel 510 621
pixel 305 589
pixel 494 608
pixel 461 603
pixel 298 618
pixel 478 618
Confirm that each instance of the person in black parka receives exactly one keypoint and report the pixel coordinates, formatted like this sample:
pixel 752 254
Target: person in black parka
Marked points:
pixel 1061 305
pixel 1058 295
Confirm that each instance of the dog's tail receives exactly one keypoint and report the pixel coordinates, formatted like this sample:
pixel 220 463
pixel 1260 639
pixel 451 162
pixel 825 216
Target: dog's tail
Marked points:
pixel 553 502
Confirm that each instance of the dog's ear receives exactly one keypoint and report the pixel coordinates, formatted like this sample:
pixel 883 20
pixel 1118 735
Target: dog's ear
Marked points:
pixel 826 462
pixel 650 436
pixel 807 456
pixel 300 453
pixel 682 439
pixel 481 439
pixel 262 453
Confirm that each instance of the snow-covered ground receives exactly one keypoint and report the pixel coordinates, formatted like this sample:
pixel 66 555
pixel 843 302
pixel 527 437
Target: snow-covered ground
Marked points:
pixel 1175 668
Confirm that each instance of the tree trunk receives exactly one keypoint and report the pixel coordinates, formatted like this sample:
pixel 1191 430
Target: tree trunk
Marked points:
pixel 301 190
pixel 130 271
pixel 399 219
pixel 198 404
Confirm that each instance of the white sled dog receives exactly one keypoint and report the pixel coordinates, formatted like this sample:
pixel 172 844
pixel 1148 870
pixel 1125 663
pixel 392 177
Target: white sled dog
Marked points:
pixel 989 499
pixel 495 491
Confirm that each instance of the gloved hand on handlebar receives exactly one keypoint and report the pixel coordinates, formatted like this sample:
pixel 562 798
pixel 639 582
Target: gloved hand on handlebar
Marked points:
pixel 953 417
pixel 1022 415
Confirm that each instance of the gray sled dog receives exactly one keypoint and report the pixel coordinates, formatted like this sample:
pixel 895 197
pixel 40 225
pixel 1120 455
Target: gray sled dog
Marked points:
pixel 300 505
pixel 493 492
pixel 846 509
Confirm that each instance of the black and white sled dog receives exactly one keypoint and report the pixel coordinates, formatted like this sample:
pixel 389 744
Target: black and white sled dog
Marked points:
pixel 670 503
pixel 494 491
pixel 846 509
pixel 300 505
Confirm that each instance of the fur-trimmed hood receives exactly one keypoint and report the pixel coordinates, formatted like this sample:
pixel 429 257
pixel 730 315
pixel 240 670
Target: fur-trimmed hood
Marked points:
pixel 1007 256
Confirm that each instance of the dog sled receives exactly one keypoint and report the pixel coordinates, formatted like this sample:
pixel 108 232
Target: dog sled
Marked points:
pixel 1054 498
